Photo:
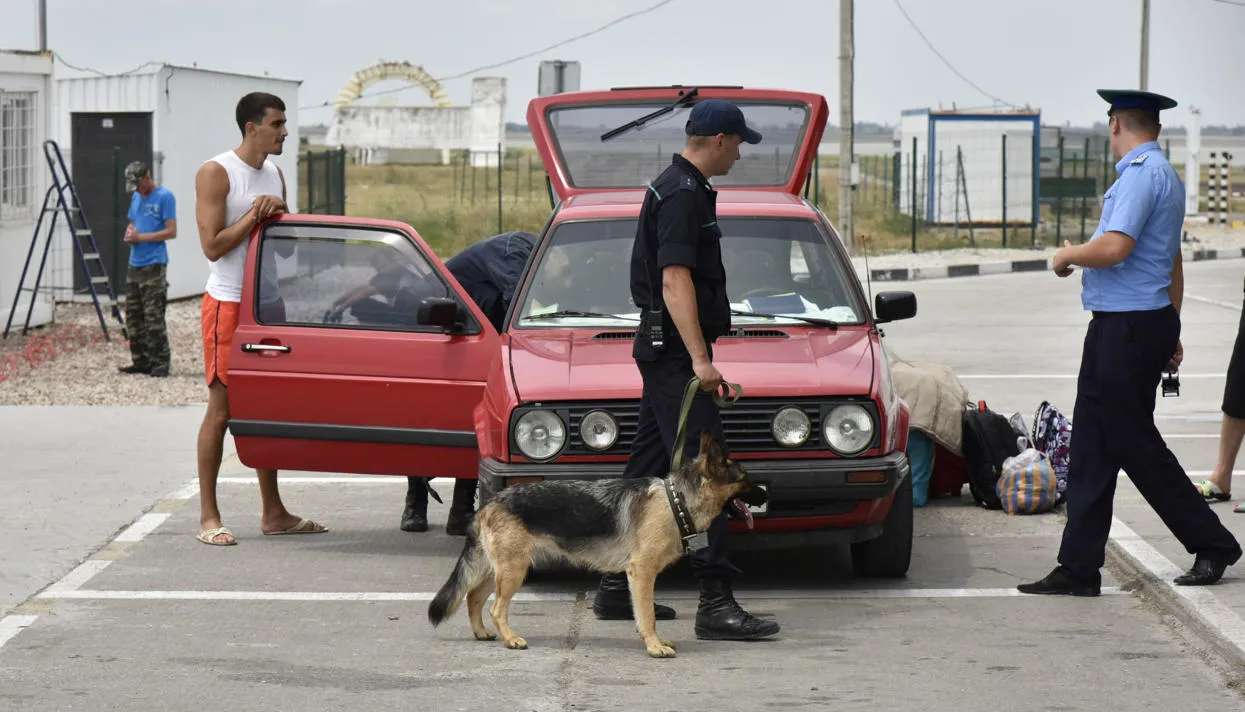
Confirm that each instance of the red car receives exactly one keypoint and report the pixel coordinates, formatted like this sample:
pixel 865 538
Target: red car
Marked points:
pixel 422 384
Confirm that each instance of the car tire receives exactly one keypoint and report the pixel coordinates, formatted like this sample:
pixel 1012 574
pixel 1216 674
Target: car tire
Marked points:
pixel 889 555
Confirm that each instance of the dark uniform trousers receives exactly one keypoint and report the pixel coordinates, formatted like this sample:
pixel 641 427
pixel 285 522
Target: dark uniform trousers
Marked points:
pixel 146 297
pixel 665 379
pixel 1124 357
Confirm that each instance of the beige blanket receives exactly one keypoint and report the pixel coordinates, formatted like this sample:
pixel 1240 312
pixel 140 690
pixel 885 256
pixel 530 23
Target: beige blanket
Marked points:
pixel 936 399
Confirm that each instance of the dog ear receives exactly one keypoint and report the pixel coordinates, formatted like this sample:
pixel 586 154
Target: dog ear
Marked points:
pixel 711 448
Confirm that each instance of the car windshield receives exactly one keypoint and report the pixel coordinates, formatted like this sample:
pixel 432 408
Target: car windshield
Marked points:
pixel 633 157
pixel 774 266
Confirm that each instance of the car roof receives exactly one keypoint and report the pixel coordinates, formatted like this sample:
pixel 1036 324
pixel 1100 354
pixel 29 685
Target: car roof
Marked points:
pixel 626 204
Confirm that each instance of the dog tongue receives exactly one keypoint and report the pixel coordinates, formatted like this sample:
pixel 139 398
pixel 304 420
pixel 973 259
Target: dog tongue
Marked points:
pixel 743 510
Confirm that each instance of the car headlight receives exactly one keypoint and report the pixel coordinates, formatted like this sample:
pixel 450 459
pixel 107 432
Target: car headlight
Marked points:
pixel 849 429
pixel 791 427
pixel 539 434
pixel 598 430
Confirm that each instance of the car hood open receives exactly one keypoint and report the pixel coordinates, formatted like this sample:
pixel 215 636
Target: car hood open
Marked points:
pixel 590 364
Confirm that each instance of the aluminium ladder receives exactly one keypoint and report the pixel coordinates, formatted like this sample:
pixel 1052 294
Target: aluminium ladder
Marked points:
pixel 83 241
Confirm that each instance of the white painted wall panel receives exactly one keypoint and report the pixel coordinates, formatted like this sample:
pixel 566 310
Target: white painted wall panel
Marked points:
pixel 194 120
pixel 913 125
pixel 26 72
pixel 977 189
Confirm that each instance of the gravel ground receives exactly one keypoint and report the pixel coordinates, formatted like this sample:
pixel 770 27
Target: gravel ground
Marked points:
pixel 87 375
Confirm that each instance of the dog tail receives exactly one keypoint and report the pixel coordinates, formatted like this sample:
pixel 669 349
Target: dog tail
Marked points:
pixel 471 567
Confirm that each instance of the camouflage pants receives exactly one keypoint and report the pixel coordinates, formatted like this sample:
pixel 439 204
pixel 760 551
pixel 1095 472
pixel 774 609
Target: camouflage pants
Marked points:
pixel 146 294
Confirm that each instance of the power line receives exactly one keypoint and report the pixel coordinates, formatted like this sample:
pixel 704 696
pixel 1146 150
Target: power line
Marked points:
pixel 1238 3
pixel 104 74
pixel 944 59
pixel 512 60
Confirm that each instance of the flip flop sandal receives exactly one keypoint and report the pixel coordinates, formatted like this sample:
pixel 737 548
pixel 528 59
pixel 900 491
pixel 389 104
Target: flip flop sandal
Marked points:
pixel 1210 490
pixel 299 529
pixel 209 537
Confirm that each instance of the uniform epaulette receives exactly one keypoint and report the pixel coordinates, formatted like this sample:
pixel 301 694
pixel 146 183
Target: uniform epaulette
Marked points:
pixel 1140 159
pixel 687 183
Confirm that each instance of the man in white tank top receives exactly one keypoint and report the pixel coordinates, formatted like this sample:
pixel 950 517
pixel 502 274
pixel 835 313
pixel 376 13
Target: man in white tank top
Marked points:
pixel 234 191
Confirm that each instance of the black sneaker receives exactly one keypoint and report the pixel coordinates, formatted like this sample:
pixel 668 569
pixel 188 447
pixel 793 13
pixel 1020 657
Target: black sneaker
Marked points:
pixel 135 369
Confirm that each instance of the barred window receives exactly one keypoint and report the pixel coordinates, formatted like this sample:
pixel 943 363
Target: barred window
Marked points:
pixel 17 139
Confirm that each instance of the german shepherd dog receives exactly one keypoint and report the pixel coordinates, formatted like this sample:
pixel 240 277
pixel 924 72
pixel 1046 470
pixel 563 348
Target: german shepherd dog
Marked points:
pixel 606 525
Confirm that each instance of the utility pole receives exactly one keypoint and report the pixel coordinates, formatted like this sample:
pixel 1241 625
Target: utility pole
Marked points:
pixel 43 25
pixel 847 53
pixel 1145 44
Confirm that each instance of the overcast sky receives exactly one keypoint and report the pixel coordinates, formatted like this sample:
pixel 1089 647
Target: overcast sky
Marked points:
pixel 1051 54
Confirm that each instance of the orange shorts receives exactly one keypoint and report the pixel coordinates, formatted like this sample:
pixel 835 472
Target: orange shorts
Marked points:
pixel 220 321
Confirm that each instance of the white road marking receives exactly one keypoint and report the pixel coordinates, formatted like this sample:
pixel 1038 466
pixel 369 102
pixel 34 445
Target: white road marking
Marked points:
pixel 143 527
pixel 77 578
pixel 372 596
pixel 1216 302
pixel 186 491
pixel 1058 376
pixel 326 480
pixel 1203 603
pixel 12 625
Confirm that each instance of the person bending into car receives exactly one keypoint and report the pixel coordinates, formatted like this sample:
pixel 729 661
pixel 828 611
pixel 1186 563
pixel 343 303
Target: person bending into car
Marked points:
pixel 677 251
pixel 488 271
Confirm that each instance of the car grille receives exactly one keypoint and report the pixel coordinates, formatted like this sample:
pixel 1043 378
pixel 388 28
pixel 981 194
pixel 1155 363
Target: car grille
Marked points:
pixel 747 425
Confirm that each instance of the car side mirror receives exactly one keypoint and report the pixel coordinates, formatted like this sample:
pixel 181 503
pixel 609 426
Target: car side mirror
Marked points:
pixel 894 306
pixel 438 311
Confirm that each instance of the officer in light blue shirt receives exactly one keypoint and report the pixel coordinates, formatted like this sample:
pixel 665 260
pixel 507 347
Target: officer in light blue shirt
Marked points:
pixel 1133 283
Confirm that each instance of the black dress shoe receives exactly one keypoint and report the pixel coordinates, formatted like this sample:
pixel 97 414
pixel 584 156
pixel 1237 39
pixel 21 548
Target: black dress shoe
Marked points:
pixel 1061 583
pixel 145 370
pixel 719 617
pixel 613 601
pixel 1206 570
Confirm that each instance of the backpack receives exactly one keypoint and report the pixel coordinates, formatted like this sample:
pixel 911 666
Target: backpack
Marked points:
pixel 1052 436
pixel 989 439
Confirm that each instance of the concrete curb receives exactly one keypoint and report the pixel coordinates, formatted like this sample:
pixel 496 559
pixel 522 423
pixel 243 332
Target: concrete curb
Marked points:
pixel 1041 264
pixel 1196 607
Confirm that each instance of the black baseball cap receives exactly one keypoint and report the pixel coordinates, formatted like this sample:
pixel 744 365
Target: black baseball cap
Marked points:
pixel 717 116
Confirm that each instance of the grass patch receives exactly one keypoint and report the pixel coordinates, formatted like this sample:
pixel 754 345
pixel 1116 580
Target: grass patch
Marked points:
pixel 452 206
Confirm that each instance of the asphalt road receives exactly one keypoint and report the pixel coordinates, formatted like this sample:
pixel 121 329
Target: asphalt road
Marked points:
pixel 141 616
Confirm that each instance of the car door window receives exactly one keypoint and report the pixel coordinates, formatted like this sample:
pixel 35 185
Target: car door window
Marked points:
pixel 351 277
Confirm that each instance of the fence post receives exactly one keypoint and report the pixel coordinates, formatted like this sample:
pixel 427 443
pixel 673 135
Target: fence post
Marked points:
pixel 1004 190
pixel 311 183
pixel 1035 168
pixel 499 175
pixel 1059 199
pixel 1084 174
pixel 913 194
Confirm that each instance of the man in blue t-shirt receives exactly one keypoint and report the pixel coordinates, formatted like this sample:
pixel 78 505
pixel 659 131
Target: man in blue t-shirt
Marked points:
pixel 153 220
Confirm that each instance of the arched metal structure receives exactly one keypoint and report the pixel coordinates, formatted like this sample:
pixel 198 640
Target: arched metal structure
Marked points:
pixel 382 71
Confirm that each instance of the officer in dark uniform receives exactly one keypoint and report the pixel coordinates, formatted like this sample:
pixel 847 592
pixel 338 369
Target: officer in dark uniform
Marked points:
pixel 488 271
pixel 679 284
pixel 1133 283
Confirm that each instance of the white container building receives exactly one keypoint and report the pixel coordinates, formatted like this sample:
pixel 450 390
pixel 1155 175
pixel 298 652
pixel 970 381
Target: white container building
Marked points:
pixel 25 122
pixel 174 118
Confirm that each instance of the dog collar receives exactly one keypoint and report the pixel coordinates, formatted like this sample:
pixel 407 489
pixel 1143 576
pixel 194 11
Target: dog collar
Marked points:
pixel 693 540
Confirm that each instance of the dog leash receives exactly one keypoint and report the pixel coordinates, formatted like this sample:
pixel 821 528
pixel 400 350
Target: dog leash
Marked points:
pixel 722 396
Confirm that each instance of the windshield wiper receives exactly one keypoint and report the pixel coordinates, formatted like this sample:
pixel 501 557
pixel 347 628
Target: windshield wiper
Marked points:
pixel 807 319
pixel 649 117
pixel 571 312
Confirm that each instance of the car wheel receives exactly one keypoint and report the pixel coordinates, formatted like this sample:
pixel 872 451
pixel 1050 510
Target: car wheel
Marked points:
pixel 889 555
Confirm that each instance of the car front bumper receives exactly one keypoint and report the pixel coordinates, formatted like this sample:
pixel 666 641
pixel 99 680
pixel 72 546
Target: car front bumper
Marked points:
pixel 803 488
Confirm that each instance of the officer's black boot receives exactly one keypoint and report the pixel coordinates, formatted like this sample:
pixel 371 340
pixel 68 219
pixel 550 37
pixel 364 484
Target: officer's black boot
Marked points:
pixel 415 516
pixel 719 617
pixel 613 602
pixel 462 508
